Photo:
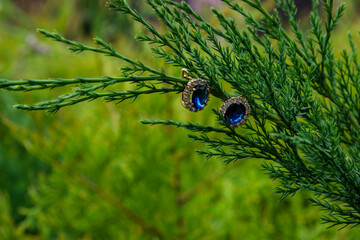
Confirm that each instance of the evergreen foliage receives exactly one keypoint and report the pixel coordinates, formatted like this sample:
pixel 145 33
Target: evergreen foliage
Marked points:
pixel 305 100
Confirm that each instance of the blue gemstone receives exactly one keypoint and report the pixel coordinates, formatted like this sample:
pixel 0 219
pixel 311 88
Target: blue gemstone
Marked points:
pixel 235 113
pixel 199 98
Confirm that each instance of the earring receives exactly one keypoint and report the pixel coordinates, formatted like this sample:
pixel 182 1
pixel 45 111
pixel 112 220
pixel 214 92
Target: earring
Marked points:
pixel 196 93
pixel 236 111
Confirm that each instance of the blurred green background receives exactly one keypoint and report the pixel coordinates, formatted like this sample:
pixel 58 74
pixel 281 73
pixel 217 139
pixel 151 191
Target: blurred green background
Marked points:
pixel 92 171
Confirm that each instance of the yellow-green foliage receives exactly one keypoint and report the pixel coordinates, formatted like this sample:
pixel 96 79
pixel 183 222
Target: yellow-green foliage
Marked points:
pixel 92 171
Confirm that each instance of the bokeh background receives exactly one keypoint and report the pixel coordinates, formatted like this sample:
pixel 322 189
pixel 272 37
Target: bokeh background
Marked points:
pixel 92 171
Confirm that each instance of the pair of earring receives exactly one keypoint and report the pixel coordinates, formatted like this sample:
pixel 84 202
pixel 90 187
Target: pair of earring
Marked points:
pixel 195 97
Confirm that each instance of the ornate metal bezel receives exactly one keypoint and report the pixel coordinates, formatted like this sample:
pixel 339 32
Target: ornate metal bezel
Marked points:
pixel 193 85
pixel 236 100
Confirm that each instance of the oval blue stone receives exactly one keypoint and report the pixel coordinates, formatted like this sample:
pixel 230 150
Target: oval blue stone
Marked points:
pixel 235 113
pixel 199 98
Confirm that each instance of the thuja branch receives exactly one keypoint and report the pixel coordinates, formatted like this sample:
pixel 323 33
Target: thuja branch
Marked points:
pixel 304 100
pixel 89 94
pixel 87 91
pixel 37 84
pixel 105 48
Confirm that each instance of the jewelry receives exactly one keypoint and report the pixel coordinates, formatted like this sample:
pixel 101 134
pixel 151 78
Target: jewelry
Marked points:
pixel 236 111
pixel 196 93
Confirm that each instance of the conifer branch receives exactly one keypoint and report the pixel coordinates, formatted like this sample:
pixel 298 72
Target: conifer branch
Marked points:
pixel 304 99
